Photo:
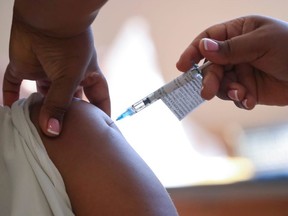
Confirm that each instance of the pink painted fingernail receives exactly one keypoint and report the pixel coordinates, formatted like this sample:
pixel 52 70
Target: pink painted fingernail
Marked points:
pixel 233 95
pixel 244 103
pixel 53 126
pixel 210 45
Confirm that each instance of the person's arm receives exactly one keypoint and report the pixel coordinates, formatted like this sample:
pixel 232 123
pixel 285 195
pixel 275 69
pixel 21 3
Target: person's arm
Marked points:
pixel 103 175
pixel 51 42
pixel 250 64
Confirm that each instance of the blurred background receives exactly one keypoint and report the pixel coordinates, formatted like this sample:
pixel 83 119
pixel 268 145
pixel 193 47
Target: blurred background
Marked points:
pixel 214 147
pixel 138 44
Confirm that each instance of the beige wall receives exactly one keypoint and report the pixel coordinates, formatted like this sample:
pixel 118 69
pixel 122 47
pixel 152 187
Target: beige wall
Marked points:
pixel 173 26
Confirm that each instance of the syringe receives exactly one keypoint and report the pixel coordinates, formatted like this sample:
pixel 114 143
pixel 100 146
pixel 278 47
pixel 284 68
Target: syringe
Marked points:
pixel 195 71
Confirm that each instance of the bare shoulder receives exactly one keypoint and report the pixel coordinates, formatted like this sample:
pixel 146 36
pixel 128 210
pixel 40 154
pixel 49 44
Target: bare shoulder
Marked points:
pixel 103 175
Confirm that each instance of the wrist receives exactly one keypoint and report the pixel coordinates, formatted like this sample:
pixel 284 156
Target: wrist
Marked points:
pixel 61 18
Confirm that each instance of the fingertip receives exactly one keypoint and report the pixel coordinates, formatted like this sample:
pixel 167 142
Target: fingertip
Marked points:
pixel 190 56
pixel 213 51
pixel 53 127
pixel 233 95
pixel 179 65
pixel 97 92
pixel 236 92
pixel 10 87
pixel 241 97
pixel 209 45
pixel 184 64
pixel 248 103
pixel 211 81
pixel 9 98
pixel 50 126
pixel 55 104
pixel 209 89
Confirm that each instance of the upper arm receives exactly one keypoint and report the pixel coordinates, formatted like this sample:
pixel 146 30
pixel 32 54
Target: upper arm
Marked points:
pixel 103 175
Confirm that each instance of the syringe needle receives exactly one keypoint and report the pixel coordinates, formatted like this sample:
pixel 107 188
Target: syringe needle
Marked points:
pixel 128 112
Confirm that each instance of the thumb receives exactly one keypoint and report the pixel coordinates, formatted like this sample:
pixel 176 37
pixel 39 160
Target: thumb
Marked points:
pixel 55 105
pixel 240 49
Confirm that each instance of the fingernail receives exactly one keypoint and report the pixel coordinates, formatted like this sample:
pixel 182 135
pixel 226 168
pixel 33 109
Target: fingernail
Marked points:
pixel 53 126
pixel 210 45
pixel 90 79
pixel 233 95
pixel 93 75
pixel 244 103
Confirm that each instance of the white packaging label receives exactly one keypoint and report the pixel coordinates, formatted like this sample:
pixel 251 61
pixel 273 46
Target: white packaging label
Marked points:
pixel 186 98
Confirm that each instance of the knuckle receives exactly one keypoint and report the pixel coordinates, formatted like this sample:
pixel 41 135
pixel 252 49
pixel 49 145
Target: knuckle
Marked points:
pixel 228 50
pixel 54 110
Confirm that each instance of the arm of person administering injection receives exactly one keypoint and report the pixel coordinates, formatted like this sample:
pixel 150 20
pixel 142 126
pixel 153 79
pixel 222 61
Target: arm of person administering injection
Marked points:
pixel 51 42
pixel 250 61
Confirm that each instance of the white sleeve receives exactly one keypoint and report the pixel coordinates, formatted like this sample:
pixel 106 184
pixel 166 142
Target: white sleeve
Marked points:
pixel 30 183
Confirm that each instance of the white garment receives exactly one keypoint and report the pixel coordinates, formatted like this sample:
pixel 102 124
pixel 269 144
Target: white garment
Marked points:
pixel 30 184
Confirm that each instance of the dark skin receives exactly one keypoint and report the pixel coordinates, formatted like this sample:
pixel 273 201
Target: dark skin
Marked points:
pixel 51 42
pixel 250 61
pixel 103 175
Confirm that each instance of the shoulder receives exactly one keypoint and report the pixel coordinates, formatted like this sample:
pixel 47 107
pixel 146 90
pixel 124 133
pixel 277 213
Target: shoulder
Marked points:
pixel 103 174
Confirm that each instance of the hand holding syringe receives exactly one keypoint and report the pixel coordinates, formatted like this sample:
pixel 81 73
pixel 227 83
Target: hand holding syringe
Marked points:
pixel 193 74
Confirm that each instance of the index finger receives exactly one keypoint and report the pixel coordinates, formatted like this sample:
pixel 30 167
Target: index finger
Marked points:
pixel 96 90
pixel 11 87
pixel 192 54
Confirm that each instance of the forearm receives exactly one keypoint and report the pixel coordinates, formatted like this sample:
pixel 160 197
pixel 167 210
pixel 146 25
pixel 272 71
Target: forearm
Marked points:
pixel 61 18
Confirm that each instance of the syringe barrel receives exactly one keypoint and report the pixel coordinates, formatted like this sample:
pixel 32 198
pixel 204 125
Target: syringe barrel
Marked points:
pixel 138 106
pixel 193 73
